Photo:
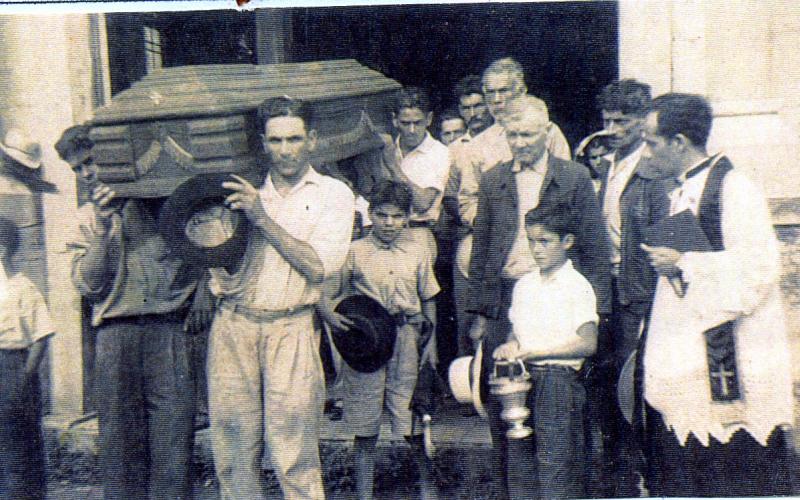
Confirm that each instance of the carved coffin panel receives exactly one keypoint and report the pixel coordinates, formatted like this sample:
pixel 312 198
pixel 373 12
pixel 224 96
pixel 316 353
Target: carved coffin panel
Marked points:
pixel 183 121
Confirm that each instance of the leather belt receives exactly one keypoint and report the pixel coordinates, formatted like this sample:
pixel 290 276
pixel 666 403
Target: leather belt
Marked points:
pixel 264 315
pixel 532 367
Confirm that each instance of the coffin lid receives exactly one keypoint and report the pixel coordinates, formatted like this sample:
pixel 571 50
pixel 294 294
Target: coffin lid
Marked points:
pixel 225 89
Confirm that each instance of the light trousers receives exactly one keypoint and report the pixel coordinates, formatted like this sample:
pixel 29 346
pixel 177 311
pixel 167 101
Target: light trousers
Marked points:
pixel 265 388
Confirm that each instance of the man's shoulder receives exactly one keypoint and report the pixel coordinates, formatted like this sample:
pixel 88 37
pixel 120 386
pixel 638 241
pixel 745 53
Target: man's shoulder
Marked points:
pixel 572 280
pixel 569 168
pixel 498 174
pixel 334 185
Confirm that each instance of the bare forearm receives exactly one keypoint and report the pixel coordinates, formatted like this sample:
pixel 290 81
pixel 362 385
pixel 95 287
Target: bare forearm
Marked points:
pixel 299 254
pixel 580 346
pixel 421 198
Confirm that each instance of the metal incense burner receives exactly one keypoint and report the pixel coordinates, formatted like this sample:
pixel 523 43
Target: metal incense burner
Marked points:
pixel 511 382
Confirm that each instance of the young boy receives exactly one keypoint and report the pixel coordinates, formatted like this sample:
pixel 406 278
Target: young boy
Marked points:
pixel 24 329
pixel 397 271
pixel 554 328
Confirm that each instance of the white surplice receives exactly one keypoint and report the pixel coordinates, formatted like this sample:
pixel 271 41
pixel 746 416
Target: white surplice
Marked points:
pixel 739 283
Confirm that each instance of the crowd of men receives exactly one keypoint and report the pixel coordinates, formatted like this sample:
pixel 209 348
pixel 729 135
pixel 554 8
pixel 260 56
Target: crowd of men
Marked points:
pixel 573 268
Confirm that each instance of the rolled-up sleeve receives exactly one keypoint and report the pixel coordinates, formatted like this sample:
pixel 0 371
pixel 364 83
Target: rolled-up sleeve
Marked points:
pixel 330 238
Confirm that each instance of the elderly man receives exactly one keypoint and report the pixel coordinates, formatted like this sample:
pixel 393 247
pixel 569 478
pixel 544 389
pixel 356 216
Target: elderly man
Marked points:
pixel 505 92
pixel 717 368
pixel 500 252
pixel 632 199
pixel 139 293
pixel 264 371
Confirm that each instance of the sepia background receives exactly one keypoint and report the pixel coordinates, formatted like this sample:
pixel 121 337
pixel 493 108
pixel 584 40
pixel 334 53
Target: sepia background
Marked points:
pixel 742 54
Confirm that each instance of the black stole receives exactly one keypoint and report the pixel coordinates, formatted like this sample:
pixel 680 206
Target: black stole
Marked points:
pixel 723 372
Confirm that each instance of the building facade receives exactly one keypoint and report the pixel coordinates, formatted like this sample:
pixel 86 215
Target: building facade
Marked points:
pixel 742 54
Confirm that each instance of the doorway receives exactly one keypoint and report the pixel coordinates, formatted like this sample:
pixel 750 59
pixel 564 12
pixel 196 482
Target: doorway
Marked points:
pixel 569 49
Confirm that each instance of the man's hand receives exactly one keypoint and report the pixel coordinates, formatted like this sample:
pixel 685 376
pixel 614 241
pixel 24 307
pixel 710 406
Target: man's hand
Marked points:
pixel 663 259
pixel 105 205
pixel 334 319
pixel 245 197
pixel 478 328
pixel 201 314
pixel 509 351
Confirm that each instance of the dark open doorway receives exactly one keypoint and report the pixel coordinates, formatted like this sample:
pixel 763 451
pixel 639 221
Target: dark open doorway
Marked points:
pixel 568 49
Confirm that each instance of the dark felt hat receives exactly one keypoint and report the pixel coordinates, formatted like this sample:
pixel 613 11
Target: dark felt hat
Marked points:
pixel 369 345
pixel 199 227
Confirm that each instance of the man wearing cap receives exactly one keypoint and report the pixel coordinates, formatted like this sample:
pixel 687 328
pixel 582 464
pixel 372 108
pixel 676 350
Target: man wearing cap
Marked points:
pixel 140 293
pixel 264 371
pixel 500 251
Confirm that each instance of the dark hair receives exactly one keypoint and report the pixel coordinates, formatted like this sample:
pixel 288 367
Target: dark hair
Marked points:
pixel 470 84
pixel 557 218
pixel 9 237
pixel 450 114
pixel 391 193
pixel 629 96
pixel 284 106
pixel 412 97
pixel 687 114
pixel 74 140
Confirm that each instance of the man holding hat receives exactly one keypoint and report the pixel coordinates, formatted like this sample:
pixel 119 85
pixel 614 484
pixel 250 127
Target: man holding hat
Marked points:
pixel 264 371
pixel 140 292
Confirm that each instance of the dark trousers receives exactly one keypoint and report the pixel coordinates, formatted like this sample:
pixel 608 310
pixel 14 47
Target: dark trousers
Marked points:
pixel 22 467
pixel 613 450
pixel 551 463
pixel 497 334
pixel 145 404
pixel 740 467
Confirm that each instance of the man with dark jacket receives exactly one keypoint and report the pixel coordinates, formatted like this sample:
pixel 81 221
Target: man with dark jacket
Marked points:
pixel 632 200
pixel 500 252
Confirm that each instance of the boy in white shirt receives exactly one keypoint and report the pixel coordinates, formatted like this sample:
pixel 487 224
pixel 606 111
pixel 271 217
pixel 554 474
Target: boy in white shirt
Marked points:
pixel 554 328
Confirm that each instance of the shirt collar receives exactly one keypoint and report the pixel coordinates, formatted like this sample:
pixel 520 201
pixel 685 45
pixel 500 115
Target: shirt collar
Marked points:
pixel 632 158
pixel 561 271
pixel 394 245
pixel 694 170
pixel 423 147
pixel 540 167
pixel 311 177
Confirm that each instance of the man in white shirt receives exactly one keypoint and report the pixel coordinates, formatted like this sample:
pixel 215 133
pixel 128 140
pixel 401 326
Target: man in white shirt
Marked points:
pixel 264 371
pixel 717 370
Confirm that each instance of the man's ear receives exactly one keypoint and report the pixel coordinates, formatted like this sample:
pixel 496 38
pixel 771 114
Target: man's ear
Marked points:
pixel 681 141
pixel 567 241
pixel 428 119
pixel 312 140
pixel 394 120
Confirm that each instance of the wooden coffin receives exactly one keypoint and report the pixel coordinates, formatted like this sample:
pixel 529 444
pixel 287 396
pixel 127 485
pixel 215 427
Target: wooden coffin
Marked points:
pixel 178 122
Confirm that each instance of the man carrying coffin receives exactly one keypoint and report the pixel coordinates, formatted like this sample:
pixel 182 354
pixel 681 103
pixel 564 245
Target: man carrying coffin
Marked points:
pixel 717 384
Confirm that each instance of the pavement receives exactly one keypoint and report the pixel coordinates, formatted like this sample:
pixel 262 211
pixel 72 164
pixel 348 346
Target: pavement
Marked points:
pixel 462 442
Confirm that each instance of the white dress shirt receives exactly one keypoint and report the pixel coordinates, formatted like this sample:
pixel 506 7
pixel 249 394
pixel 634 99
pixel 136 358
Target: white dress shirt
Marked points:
pixel 619 173
pixel 529 184
pixel 427 166
pixel 546 313
pixel 319 211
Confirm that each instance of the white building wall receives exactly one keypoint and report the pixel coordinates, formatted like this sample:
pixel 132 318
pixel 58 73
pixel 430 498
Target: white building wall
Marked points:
pixel 46 87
